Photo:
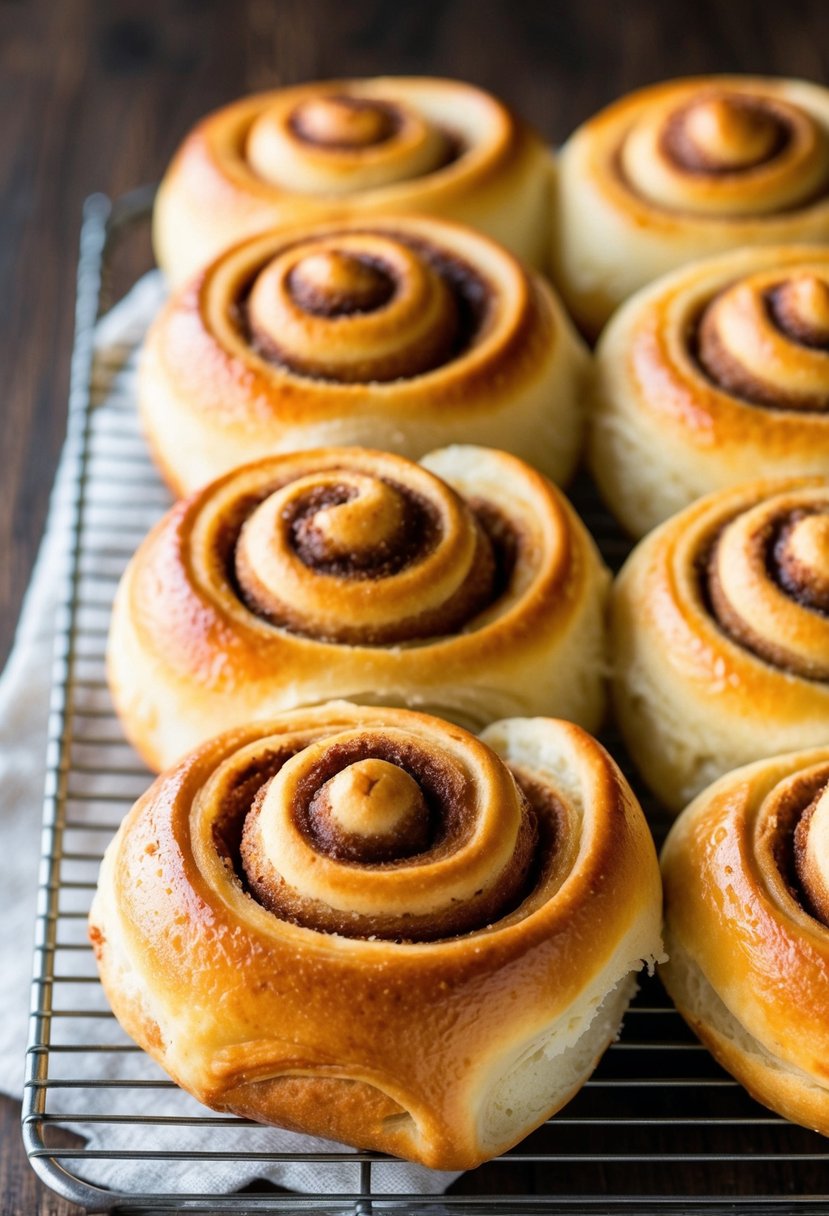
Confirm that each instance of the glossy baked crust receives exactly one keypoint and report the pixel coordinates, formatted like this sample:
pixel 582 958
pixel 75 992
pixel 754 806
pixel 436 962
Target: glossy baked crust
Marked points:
pixel 368 924
pixel 354 149
pixel 719 636
pixel 684 170
pixel 405 334
pixel 713 373
pixel 746 929
pixel 466 585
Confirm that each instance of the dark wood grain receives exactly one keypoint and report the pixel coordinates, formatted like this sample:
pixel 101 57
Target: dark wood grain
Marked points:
pixel 95 96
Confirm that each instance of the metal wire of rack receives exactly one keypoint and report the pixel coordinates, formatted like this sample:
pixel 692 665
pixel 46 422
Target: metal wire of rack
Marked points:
pixel 657 1111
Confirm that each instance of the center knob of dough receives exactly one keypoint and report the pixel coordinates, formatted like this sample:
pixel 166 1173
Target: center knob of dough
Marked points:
pixel 731 133
pixel 343 122
pixel 375 798
pixel 811 851
pixel 807 558
pixel 332 283
pixel 802 307
pixel 362 528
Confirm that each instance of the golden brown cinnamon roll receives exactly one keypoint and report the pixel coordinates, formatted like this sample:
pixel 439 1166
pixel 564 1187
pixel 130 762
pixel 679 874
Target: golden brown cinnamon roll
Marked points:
pixel 354 149
pixel 466 585
pixel 747 929
pixel 715 373
pixel 720 635
pixel 422 941
pixel 405 335
pixel 682 170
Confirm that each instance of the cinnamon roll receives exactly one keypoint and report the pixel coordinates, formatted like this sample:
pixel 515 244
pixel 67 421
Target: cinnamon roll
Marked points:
pixel 405 335
pixel 720 635
pixel 366 924
pixel 353 149
pixel 747 929
pixel 715 372
pixel 682 170
pixel 466 585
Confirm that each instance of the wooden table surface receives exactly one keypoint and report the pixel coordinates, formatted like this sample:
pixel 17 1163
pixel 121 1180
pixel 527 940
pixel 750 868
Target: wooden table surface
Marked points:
pixel 95 96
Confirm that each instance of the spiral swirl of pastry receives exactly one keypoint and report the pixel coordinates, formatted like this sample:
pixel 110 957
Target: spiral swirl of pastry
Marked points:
pixel 726 152
pixel 353 149
pixel 358 308
pixel 466 584
pixel 716 369
pixel 345 554
pixel 360 884
pixel 382 833
pixel 406 335
pixel 302 146
pixel 684 169
pixel 720 635
pixel 766 339
pixel 768 582
pixel 747 928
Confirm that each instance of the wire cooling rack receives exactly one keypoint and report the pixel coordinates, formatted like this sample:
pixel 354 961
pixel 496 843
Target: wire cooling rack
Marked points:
pixel 659 1127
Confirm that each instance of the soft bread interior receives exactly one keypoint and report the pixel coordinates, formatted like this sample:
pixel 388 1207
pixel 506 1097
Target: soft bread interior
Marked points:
pixel 552 1068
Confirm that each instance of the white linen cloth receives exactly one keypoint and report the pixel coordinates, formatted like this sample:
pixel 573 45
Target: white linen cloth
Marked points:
pixel 24 705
